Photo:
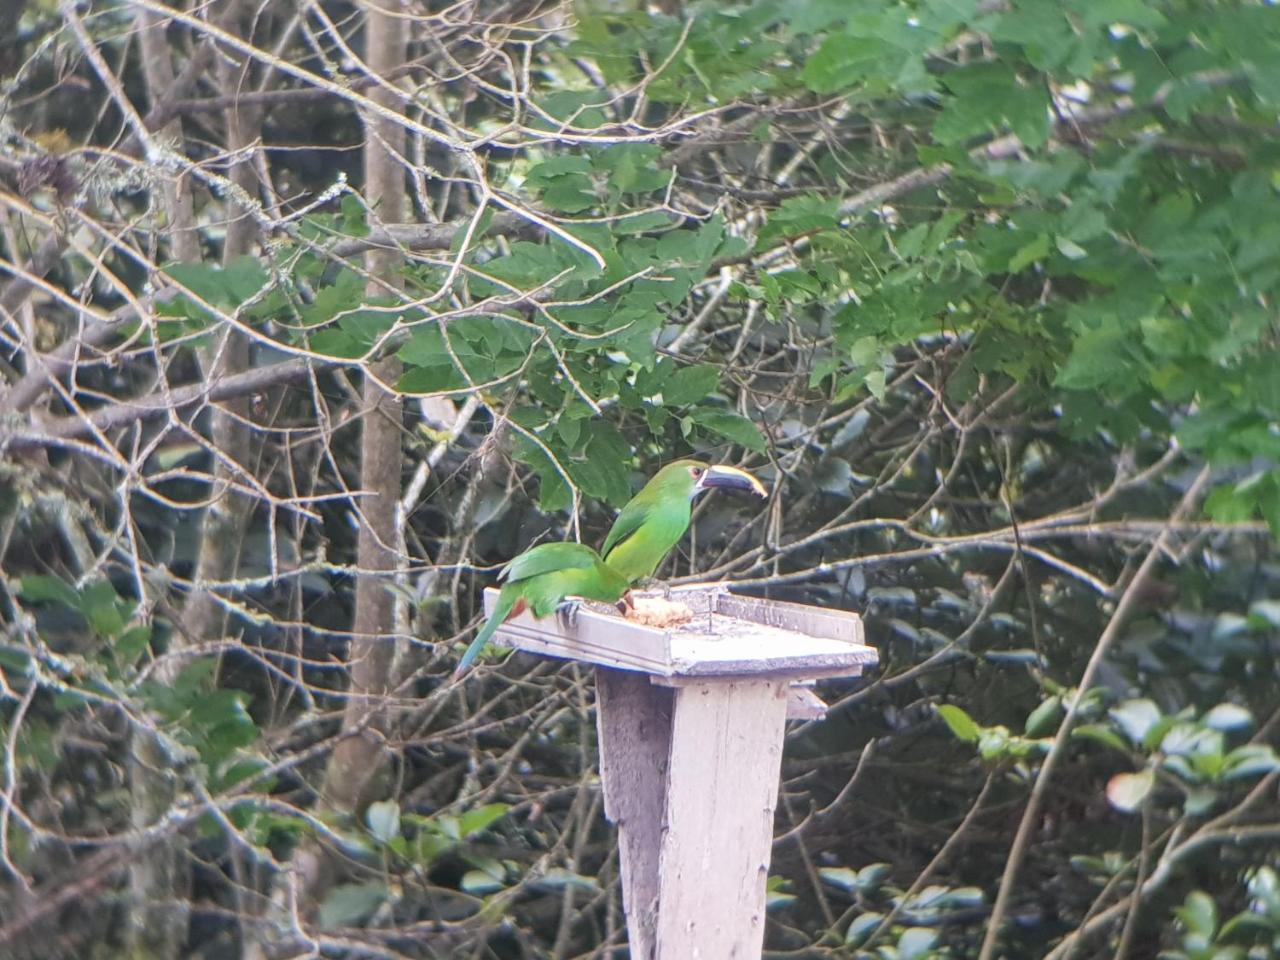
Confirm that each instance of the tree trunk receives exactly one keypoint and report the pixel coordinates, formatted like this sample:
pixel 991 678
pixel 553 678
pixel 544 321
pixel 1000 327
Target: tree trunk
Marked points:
pixel 358 759
pixel 160 877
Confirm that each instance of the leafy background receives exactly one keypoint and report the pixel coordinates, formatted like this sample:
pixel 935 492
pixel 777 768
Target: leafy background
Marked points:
pixel 985 290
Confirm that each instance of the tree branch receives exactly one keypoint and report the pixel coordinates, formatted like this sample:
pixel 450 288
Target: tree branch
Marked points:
pixel 1031 815
pixel 121 413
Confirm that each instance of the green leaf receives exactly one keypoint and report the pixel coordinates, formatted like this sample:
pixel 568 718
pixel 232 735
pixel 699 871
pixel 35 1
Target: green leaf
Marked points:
pixel 737 429
pixel 633 168
pixel 570 195
pixel 861 927
pixel 383 819
pixel 1247 927
pixel 1136 718
pixel 353 216
pixel 647 222
pixel 481 818
pixel 1044 719
pixel 1030 253
pixel 833 475
pixel 1102 734
pixel 690 384
pixel 779 900
pixel 1228 716
pixel 204 280
pixel 1199 801
pixel 1250 760
pixel 132 642
pixel 612 454
pixel 872 876
pixel 961 897
pixel 1264 884
pixel 915 942
pixel 1019 655
pixel 480 883
pixel 547 172
pixel 959 721
pixel 876 383
pixel 344 293
pixel 243 278
pixel 1069 248
pixel 45 589
pixel 992 96
pixel 1127 791
pixel 336 343
pixel 880 50
pixel 102 608
pixel 557 878
pixel 800 215
pixel 1199 914
pixel 17 662
pixel 1263 612
pixel 842 877
pixel 351 902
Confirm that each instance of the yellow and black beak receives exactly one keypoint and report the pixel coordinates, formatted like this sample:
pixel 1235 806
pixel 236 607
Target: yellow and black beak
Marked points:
pixel 730 478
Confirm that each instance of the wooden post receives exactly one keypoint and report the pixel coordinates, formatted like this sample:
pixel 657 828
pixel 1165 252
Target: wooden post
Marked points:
pixel 691 722
pixel 634 726
pixel 722 785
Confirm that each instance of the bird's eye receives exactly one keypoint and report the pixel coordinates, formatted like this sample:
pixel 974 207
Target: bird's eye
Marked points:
pixel 696 471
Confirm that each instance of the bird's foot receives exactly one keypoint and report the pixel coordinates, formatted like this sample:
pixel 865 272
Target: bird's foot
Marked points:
pixel 567 613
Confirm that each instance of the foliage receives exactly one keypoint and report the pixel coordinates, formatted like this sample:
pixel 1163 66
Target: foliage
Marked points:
pixel 981 288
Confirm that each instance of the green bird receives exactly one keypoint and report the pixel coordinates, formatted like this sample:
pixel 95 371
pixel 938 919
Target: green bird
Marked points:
pixel 656 518
pixel 546 578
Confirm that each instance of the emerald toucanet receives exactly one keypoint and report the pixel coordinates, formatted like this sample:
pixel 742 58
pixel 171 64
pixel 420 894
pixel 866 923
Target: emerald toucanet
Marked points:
pixel 550 576
pixel 656 518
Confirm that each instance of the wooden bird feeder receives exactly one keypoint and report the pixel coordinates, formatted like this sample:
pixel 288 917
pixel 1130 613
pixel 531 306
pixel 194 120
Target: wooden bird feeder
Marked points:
pixel 691 720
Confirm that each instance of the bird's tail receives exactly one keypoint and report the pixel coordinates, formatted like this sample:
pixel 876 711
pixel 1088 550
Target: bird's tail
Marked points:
pixel 504 609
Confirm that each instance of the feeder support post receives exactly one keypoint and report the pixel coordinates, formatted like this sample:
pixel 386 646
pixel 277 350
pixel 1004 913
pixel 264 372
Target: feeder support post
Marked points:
pixel 691 723
pixel 722 787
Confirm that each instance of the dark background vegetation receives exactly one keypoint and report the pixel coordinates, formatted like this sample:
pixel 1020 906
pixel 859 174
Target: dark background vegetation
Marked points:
pixel 313 314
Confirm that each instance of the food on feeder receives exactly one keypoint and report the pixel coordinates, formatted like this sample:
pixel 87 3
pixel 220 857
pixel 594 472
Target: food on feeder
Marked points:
pixel 658 612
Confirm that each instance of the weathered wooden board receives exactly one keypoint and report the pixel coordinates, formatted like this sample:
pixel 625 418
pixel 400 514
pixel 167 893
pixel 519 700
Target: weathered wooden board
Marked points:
pixel 722 787
pixel 633 723
pixel 811 621
pixel 601 638
pixel 804 704
pixel 728 636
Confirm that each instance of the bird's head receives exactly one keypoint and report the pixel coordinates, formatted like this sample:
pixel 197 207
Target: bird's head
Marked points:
pixel 691 477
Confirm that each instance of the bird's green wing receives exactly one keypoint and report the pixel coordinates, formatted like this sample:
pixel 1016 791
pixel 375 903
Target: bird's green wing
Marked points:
pixel 547 558
pixel 597 582
pixel 631 519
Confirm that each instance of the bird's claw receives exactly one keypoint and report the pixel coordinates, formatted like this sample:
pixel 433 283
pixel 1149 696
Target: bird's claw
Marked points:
pixel 567 613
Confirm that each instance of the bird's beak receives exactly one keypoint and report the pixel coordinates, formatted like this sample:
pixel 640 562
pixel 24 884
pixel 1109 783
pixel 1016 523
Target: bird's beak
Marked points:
pixel 730 478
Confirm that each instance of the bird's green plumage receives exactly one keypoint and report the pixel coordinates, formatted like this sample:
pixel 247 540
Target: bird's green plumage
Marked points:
pixel 653 521
pixel 543 578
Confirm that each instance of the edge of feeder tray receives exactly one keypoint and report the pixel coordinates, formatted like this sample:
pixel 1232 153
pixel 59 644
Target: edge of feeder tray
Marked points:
pixel 729 635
